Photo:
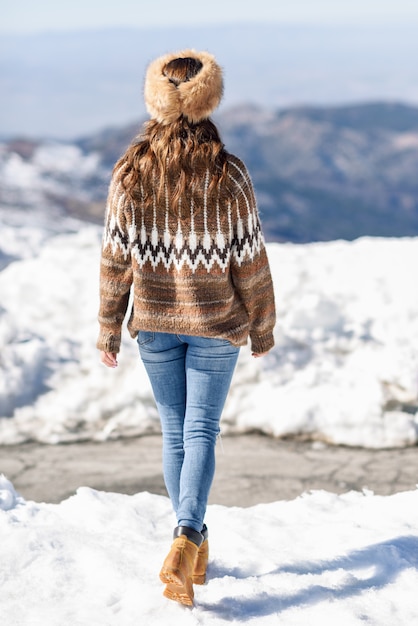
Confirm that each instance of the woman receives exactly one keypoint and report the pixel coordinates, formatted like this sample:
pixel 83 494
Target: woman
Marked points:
pixel 182 233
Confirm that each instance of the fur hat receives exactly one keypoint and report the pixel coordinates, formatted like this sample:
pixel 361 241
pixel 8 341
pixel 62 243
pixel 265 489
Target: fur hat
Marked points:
pixel 195 99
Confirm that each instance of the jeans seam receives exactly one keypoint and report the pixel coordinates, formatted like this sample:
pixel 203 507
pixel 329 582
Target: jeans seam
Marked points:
pixel 147 341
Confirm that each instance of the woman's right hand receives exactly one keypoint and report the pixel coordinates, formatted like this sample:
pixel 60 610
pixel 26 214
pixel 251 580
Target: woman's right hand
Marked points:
pixel 109 359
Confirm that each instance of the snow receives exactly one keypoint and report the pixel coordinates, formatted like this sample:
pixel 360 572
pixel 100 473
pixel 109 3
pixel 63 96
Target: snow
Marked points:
pixel 344 368
pixel 319 559
pixel 55 171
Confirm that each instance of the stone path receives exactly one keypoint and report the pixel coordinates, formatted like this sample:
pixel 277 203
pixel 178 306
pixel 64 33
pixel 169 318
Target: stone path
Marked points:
pixel 250 469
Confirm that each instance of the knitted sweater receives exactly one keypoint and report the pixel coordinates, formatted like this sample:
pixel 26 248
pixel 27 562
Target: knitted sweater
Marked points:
pixel 202 270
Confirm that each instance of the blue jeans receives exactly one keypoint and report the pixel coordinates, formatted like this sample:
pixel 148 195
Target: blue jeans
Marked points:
pixel 190 378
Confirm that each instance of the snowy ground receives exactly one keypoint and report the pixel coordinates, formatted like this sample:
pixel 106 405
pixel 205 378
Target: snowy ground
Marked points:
pixel 93 560
pixel 344 369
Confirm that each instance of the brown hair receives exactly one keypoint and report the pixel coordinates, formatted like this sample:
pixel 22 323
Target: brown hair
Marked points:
pixel 175 156
pixel 181 70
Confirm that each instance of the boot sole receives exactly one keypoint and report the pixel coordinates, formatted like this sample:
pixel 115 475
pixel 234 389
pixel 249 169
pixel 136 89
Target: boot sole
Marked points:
pixel 176 589
pixel 171 576
pixel 178 594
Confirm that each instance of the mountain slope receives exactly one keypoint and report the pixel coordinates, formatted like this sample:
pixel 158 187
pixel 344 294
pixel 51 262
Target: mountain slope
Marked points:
pixel 320 173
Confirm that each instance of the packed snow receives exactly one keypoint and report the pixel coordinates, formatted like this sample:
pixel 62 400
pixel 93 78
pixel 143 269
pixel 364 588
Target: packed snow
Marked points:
pixel 344 368
pixel 319 559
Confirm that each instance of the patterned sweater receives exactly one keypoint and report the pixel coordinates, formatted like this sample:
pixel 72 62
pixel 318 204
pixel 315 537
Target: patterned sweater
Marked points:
pixel 202 270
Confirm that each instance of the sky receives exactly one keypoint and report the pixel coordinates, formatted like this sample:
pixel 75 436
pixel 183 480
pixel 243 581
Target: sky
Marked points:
pixel 73 67
pixel 86 14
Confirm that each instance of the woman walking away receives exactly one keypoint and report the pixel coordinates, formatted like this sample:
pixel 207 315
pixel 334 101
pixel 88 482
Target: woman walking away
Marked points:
pixel 182 232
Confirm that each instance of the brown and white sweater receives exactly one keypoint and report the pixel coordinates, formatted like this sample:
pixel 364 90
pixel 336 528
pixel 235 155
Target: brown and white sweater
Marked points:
pixel 198 271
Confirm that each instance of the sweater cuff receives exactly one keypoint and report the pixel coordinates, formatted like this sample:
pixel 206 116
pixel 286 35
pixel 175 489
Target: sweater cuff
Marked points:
pixel 108 341
pixel 262 343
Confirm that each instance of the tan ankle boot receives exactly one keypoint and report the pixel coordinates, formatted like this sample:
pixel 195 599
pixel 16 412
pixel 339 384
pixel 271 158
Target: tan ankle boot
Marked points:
pixel 199 574
pixel 178 567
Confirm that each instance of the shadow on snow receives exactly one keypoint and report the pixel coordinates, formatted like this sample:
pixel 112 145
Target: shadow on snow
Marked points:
pixel 385 561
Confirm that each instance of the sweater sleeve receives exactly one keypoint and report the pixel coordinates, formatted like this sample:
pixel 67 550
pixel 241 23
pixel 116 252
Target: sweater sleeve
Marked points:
pixel 250 267
pixel 115 271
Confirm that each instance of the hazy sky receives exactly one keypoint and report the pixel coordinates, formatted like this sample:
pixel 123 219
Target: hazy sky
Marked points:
pixel 19 16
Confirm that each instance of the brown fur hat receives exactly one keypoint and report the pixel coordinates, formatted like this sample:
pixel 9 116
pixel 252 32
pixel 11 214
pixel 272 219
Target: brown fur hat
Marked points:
pixel 195 99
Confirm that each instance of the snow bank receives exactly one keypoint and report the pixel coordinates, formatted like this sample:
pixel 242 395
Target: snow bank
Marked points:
pixel 344 368
pixel 320 559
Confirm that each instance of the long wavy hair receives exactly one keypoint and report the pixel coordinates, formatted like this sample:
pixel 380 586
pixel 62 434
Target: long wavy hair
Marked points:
pixel 171 159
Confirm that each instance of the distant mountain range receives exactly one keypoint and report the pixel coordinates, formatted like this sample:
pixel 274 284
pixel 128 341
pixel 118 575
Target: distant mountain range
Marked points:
pixel 329 173
pixel 320 173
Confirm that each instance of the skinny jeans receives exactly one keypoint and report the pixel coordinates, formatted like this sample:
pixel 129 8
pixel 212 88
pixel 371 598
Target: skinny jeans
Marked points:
pixel 190 378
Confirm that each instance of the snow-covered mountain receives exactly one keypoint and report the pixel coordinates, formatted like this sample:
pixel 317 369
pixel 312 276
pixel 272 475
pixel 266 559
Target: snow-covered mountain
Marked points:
pixel 51 176
pixel 344 368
